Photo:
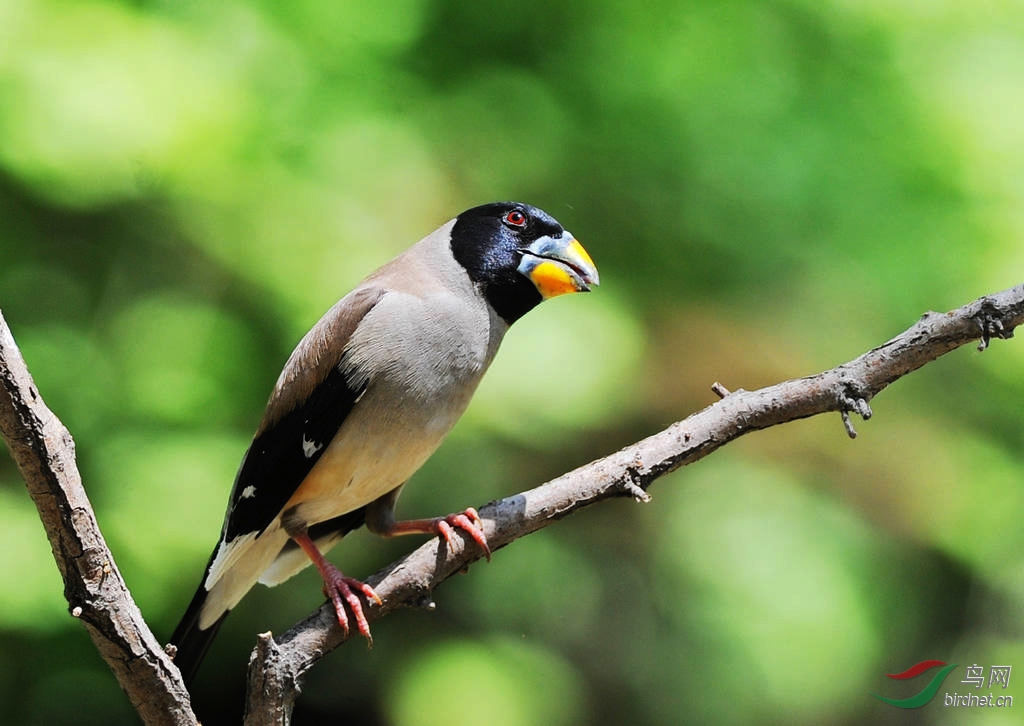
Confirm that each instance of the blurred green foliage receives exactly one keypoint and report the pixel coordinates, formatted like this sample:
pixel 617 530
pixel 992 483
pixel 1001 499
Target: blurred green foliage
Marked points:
pixel 768 188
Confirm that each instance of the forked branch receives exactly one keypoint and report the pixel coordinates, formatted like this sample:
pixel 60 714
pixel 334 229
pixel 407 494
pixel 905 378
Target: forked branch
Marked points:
pixel 96 594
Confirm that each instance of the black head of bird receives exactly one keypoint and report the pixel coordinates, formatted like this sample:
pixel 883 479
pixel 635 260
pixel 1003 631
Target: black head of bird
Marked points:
pixel 520 255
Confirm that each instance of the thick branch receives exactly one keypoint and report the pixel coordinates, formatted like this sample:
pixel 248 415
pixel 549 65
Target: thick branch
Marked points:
pixel 45 455
pixel 276 667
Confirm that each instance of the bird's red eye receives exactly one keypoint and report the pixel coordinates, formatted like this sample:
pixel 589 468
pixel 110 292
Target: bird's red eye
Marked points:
pixel 515 218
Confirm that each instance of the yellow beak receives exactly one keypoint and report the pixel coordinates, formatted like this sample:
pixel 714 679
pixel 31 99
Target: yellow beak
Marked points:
pixel 557 266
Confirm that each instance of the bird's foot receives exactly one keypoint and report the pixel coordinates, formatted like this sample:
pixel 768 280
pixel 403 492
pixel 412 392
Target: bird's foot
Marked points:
pixel 341 591
pixel 468 521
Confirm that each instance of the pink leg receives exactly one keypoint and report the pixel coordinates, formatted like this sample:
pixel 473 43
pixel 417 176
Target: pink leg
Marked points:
pixel 340 589
pixel 468 521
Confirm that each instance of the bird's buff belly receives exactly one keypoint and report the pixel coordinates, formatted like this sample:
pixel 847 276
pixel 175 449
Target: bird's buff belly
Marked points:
pixel 365 461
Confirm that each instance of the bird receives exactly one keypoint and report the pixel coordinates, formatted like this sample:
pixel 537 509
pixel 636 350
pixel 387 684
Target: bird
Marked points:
pixel 366 397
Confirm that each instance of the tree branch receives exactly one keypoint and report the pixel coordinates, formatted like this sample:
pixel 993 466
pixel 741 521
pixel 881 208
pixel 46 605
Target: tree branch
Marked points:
pixel 96 593
pixel 276 667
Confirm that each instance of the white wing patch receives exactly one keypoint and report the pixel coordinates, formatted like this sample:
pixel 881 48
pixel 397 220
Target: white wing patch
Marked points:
pixel 309 448
pixel 249 492
pixel 227 554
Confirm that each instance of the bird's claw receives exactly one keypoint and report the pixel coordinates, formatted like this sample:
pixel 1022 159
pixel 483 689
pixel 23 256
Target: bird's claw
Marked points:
pixel 469 522
pixel 341 591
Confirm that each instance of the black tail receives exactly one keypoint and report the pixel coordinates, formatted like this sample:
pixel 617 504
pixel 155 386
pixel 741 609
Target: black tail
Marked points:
pixel 191 641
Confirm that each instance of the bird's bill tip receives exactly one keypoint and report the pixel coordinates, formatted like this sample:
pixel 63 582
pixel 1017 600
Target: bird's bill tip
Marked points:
pixel 557 266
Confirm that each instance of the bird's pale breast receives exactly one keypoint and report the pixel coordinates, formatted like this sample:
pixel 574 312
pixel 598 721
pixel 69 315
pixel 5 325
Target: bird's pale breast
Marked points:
pixel 423 358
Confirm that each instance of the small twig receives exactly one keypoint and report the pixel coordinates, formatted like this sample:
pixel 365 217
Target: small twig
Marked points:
pixel 989 319
pixel 850 402
pixel 632 478
pixel 719 390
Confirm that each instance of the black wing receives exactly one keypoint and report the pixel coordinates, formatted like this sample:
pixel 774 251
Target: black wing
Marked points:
pixel 280 458
pixel 294 435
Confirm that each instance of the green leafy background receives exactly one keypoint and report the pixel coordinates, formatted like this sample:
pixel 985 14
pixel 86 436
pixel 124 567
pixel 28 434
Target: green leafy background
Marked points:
pixel 768 188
